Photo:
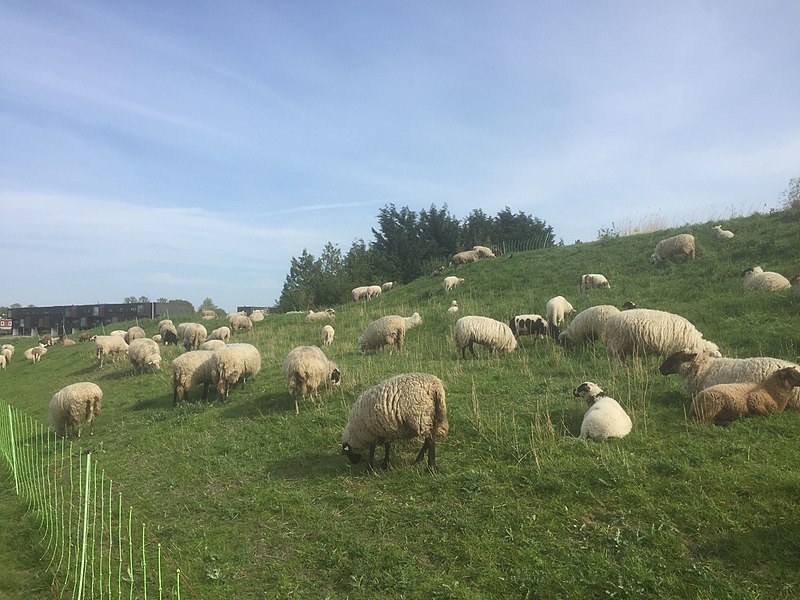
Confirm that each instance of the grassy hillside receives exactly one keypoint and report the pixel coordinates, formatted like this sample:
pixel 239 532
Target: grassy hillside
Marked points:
pixel 254 501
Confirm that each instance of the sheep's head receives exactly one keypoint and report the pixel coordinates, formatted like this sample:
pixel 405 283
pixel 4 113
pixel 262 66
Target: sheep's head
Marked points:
pixel 673 362
pixel 789 375
pixel 354 457
pixel 629 305
pixel 654 259
pixel 336 376
pixel 565 340
pixel 589 391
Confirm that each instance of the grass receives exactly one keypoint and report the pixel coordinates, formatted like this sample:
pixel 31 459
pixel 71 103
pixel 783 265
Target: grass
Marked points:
pixel 253 501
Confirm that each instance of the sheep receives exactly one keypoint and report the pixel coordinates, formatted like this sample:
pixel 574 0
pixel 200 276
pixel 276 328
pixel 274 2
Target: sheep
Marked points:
pixel 389 330
pixel 73 406
pixel 313 317
pixel 453 307
pixel 373 291
pixel 9 347
pixel 120 332
pixel 726 402
pixel 328 334
pixel 451 282
pixel 194 334
pixel 85 336
pixel 2 361
pixel 220 333
pixel 588 325
pixel 65 341
pixel 360 293
pixel 163 322
pixel 212 345
pixel 35 354
pixel 485 331
pixel 208 317
pixel 756 278
pixel 605 418
pixel 157 338
pixel 6 354
pixel 681 244
pixel 240 323
pixel 234 363
pixel 238 313
pixel 557 308
pixel 168 333
pixel 134 333
pixel 484 252
pixel 144 354
pixel 437 271
pixel 592 280
pixel 530 324
pixel 464 258
pixel 208 314
pixel 389 285
pixel 257 315
pixel 403 407
pixel 645 331
pixel 700 370
pixel 109 346
pixel 46 340
pixel 722 234
pixel 190 370
pixel 306 368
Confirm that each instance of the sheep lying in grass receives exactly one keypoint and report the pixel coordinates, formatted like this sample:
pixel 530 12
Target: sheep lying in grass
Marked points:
pixel 677 245
pixel 464 258
pixel 496 336
pixel 190 370
pixel 588 325
pixel 233 364
pixel 74 406
pixel 722 234
pixel 726 402
pixel 756 278
pixel 257 315
pixel 387 331
pixel 605 418
pixel 306 368
pixel 323 315
pixel 144 354
pixel 328 333
pixel 401 408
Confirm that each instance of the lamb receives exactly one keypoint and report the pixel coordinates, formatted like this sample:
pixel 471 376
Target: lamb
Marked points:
pixel 194 334
pixel 485 331
pixel 85 336
pixel 109 346
pixel 645 331
pixel 212 345
pixel 588 325
pixel 322 315
pixel 484 252
pixel 699 371
pixel 451 282
pixel 722 234
pixel 605 418
pixel 328 334
pixel 168 333
pixel 681 244
pixel 756 278
pixel 389 330
pixel 557 308
pixel 453 308
pixel 360 293
pixel 35 354
pixel 220 333
pixel 464 258
pixel 306 368
pixel 726 402
pixel 592 280
pixel 73 406
pixel 232 364
pixel 530 324
pixel 240 323
pixel 134 333
pixel 190 370
pixel 389 285
pixel 403 407
pixel 144 354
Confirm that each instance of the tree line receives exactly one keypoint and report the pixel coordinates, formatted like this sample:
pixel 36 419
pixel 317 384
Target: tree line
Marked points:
pixel 406 245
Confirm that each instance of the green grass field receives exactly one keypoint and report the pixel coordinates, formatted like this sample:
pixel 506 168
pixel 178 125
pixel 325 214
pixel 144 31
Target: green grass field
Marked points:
pixel 253 501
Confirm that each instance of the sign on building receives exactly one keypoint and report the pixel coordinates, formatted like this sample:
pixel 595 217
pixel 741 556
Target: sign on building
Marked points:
pixel 5 324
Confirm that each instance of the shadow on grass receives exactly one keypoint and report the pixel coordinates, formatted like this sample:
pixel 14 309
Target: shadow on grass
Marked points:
pixel 776 545
pixel 279 402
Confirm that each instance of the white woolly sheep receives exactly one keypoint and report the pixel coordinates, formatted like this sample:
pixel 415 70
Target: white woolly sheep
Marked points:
pixel 451 282
pixel 677 245
pixel 404 407
pixel 237 313
pixel 726 402
pixel 306 368
pixel 220 333
pixel 157 338
pixel 2 361
pixel 605 418
pixel 120 332
pixel 756 278
pixel 144 354
pixel 212 345
pixel 328 333
pixel 240 323
pixel 558 308
pixel 190 370
pixel 232 364
pixel 464 258
pixel 389 285
pixel 313 317
pixel 592 280
pixel 208 314
pixel 7 353
pixel 257 315
pixel 7 347
pixel 373 291
pixel 484 252
pixel 700 370
pixel 644 331
pixel 74 406
pixel 531 324
pixel 588 325
pixel 360 293
pixel 134 333
pixel 168 333
pixel 194 334
pixel 722 234
pixel 496 336
pixel 389 330
pixel 163 322
pixel 109 346
pixel 453 307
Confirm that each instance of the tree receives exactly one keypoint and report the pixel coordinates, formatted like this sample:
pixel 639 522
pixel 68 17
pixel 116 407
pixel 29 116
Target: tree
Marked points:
pixel 162 300
pixel 16 305
pixel 130 300
pixel 144 299
pixel 477 230
pixel 301 283
pixel 185 304
pixel 791 195
pixel 208 304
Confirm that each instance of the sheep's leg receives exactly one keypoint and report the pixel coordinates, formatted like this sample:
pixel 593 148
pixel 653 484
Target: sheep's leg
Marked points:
pixel 205 391
pixel 371 460
pixel 385 463
pixel 296 406
pixel 472 350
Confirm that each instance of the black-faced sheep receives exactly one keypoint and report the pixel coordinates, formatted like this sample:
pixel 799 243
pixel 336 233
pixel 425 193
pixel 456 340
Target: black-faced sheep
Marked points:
pixel 144 354
pixel 756 278
pixel 306 368
pixel 190 370
pixel 404 407
pixel 592 280
pixel 605 418
pixel 233 364
pixel 387 331
pixel 677 245
pixel 74 406
pixel 557 309
pixel 588 325
pixel 496 336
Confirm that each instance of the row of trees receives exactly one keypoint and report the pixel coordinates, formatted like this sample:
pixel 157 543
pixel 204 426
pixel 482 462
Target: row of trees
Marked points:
pixel 406 245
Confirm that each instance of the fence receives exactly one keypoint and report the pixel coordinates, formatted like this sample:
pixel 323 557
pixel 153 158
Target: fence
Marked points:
pixel 535 243
pixel 92 545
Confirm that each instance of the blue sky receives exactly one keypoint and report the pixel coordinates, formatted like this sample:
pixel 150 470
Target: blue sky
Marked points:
pixel 190 149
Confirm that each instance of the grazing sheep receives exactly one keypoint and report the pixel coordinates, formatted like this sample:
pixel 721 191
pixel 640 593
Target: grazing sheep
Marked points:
pixel 190 370
pixel 257 315
pixel 484 252
pixel 7 353
pixel 109 346
pixel 453 307
pixel 220 333
pixel 35 354
pixel 144 354
pixel 389 285
pixel 401 408
pixel 373 291
pixel 592 280
pixel 531 324
pixel 360 293
pixel 7 347
pixel 681 244
pixel 605 418
pixel 85 336
pixel 120 332
pixel 389 330
pixel 2 361
pixel 163 322
pixel 212 345
pixel 134 333
pixel 558 308
pixel 73 406
pixel 645 331
pixel 437 271
pixel 46 340
pixel 232 364
pixel 240 323
pixel 168 333
pixel 328 334
pixel 722 234
pixel 726 402
pixel 756 278
pixel 464 258
pixel 194 334
pixel 207 317
pixel 485 331
pixel 313 317
pixel 451 282
pixel 700 370
pixel 588 325
pixel 306 368
pixel 157 338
